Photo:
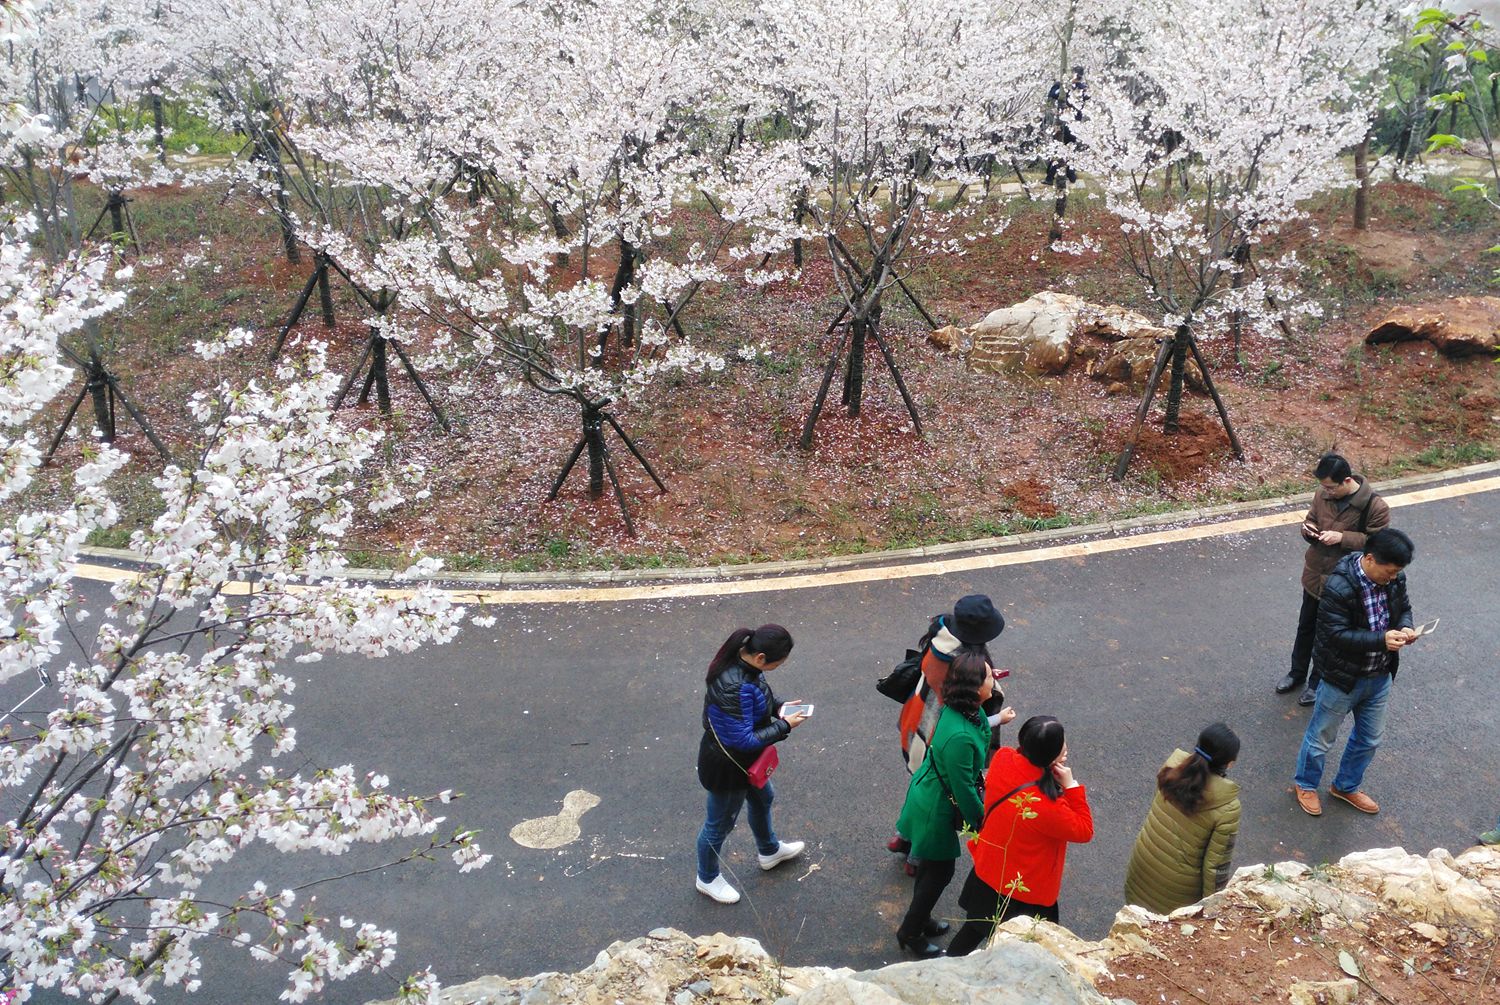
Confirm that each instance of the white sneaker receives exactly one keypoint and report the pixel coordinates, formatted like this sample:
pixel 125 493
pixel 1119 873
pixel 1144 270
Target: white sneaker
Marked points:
pixel 785 852
pixel 719 890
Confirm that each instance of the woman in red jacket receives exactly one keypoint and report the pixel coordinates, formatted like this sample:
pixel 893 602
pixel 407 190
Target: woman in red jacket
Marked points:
pixel 1034 808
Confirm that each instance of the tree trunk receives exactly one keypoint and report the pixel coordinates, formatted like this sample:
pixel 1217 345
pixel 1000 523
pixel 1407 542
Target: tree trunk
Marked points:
pixel 593 439
pixel 560 231
pixel 798 213
pixel 624 276
pixel 1237 281
pixel 325 293
pixel 1059 206
pixel 854 366
pixel 288 232
pixel 117 217
pixel 1179 372
pixel 159 121
pixel 1362 187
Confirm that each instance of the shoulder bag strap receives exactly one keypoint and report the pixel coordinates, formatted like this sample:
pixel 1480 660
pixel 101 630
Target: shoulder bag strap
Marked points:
pixel 730 757
pixel 994 805
pixel 1364 514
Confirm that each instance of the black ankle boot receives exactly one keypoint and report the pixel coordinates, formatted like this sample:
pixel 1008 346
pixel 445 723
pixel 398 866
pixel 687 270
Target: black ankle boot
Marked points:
pixel 934 928
pixel 918 946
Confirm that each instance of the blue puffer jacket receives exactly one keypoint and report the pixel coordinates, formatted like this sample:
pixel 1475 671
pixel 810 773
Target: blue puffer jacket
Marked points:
pixel 741 709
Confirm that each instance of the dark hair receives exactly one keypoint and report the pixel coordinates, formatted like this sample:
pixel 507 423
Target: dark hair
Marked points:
pixel 1182 785
pixel 771 641
pixel 1040 741
pixel 1333 466
pixel 966 676
pixel 1390 547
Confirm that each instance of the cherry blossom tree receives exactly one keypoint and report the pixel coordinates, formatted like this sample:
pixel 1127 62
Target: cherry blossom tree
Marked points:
pixel 1250 105
pixel 157 756
pixel 69 68
pixel 897 112
pixel 158 751
pixel 600 185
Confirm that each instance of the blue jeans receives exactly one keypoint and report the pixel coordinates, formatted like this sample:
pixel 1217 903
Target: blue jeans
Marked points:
pixel 1368 701
pixel 718 821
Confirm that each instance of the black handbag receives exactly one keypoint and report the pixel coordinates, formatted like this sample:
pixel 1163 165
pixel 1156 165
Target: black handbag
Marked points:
pixel 899 684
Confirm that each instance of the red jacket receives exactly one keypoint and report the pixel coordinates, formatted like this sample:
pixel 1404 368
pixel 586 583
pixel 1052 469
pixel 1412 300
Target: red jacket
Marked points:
pixel 1026 844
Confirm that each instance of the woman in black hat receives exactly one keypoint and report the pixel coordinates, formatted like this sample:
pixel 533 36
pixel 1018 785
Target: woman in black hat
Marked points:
pixel 973 623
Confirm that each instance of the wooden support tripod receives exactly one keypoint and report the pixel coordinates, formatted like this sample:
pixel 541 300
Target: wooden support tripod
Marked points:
pixel 1180 343
pixel 105 389
pixel 318 279
pixel 600 464
pixel 854 335
pixel 122 224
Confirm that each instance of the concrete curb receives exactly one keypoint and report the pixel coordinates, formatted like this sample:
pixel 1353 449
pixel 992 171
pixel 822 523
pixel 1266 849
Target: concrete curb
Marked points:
pixel 772 570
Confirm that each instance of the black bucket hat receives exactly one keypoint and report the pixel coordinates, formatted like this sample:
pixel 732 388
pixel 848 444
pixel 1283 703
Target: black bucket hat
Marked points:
pixel 975 620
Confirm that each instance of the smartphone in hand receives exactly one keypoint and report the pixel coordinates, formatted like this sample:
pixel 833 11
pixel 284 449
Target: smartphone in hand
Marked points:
pixel 790 709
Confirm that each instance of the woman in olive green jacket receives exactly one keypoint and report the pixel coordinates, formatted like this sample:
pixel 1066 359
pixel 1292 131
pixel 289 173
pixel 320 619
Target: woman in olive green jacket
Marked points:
pixel 947 785
pixel 1183 851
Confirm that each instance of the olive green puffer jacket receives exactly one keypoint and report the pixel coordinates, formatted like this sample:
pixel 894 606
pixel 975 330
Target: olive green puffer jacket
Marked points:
pixel 1180 859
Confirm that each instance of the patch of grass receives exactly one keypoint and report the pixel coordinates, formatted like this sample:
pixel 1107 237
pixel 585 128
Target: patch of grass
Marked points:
pixel 109 537
pixel 1444 455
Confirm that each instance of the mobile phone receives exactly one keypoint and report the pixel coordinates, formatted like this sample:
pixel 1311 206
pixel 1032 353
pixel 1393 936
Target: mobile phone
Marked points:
pixel 790 709
pixel 1428 628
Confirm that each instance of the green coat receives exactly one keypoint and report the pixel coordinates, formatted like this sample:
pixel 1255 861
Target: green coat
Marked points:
pixel 956 755
pixel 1180 859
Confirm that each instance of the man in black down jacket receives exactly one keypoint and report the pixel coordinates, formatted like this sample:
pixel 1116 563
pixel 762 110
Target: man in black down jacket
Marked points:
pixel 1364 621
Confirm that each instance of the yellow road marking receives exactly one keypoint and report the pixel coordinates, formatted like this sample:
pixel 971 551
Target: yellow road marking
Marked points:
pixel 844 577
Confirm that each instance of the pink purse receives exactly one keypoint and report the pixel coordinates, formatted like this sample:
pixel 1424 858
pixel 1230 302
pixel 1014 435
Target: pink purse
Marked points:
pixel 760 769
pixel 759 772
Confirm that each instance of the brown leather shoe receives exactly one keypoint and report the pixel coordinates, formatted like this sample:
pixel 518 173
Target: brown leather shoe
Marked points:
pixel 1358 800
pixel 1308 800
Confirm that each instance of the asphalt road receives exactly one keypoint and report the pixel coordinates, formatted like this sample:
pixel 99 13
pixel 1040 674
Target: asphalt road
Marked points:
pixel 1134 651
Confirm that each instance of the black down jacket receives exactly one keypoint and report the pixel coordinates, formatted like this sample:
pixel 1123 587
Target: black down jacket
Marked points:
pixel 1344 639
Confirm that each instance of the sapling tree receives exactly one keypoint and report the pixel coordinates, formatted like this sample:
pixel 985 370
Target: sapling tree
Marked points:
pixel 1250 106
pixel 897 111
pixel 1471 94
pixel 159 751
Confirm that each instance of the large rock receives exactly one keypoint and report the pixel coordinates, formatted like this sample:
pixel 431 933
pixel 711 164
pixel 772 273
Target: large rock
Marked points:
pixel 1460 326
pixel 1433 888
pixel 1014 972
pixel 1050 331
pixel 1034 336
pixel 1438 896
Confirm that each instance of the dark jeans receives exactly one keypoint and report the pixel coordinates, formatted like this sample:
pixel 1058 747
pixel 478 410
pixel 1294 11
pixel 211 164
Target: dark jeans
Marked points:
pixel 1302 649
pixel 932 879
pixel 981 904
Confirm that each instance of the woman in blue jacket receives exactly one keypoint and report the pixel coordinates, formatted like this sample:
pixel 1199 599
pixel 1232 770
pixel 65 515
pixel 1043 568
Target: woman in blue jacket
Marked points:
pixel 741 718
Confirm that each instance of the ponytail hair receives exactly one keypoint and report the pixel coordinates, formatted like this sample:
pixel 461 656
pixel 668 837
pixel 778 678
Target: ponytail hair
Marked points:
pixel 771 641
pixel 1041 741
pixel 1183 784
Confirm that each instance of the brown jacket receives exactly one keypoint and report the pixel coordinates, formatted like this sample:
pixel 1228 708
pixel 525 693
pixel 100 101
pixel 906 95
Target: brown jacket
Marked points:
pixel 1324 515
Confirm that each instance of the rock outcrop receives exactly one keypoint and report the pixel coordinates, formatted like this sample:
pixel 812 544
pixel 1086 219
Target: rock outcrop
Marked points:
pixel 1437 897
pixel 1459 326
pixel 1050 332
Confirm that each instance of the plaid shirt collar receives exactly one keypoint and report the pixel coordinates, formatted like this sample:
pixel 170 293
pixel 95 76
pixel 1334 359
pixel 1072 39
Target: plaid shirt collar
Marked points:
pixel 1377 604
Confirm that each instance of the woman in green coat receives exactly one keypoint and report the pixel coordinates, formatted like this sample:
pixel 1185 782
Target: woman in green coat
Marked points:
pixel 947 786
pixel 1184 849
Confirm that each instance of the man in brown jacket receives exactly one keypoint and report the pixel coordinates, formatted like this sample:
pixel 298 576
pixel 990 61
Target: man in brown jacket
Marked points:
pixel 1345 511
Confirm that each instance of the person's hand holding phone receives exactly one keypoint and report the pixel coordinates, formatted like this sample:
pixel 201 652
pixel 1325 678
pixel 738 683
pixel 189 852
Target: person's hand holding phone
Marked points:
pixel 799 713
